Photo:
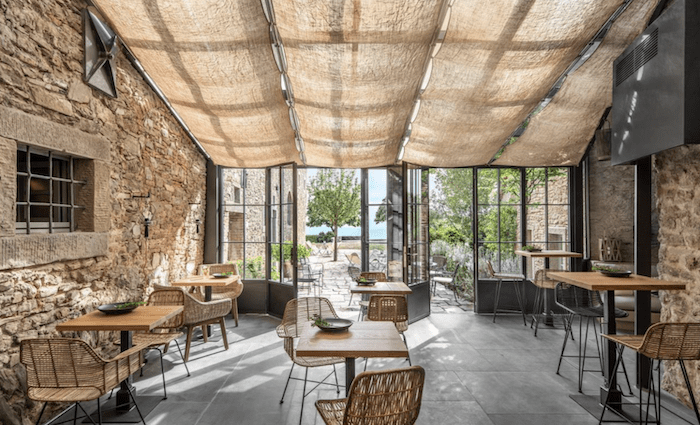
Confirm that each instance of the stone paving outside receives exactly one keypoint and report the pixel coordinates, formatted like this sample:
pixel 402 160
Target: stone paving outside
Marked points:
pixel 336 287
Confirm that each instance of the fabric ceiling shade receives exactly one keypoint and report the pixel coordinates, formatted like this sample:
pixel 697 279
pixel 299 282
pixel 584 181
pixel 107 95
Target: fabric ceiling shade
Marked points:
pixel 333 83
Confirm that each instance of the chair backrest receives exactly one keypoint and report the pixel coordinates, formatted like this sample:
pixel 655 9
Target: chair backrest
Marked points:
pixel 542 281
pixel 378 276
pixel 61 363
pixel 354 272
pixel 169 296
pixel 489 269
pixel 354 259
pixel 672 341
pixel 573 298
pixel 388 308
pixel 223 268
pixel 440 261
pixel 385 397
pixel 301 310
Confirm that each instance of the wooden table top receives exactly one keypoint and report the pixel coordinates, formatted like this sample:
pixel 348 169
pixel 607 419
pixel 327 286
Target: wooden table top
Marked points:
pixel 363 339
pixel 595 281
pixel 143 318
pixel 549 254
pixel 381 288
pixel 205 281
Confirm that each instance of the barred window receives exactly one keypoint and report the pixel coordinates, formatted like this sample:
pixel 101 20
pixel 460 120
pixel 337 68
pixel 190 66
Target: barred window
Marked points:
pixel 46 189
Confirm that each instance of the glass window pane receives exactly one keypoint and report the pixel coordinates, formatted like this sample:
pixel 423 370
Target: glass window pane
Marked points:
pixel 510 262
pixel 21 161
pixel 21 214
pixel 558 186
pixel 377 186
pixel 377 222
pixel 510 186
pixel 254 266
pixel 232 251
pixel 254 224
pixel 22 189
pixel 486 186
pixel 60 168
pixel 234 225
pixel 510 223
pixel 61 215
pixel 39 214
pixel 535 226
pixel 287 222
pixel 535 186
pixel 377 257
pixel 488 224
pixel 61 192
pixel 558 229
pixel 39 164
pixel 39 191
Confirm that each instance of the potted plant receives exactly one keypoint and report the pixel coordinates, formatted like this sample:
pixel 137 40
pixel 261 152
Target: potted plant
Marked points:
pixel 302 252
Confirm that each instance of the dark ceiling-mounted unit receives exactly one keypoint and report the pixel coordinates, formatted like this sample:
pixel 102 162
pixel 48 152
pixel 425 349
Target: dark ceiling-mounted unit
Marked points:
pixel 656 87
pixel 101 48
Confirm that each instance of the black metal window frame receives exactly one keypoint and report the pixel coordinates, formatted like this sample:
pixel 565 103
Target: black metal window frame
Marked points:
pixel 53 223
pixel 417 189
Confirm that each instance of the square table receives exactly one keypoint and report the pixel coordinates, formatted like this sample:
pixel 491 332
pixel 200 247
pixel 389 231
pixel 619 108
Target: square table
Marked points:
pixel 596 281
pixel 363 339
pixel 207 282
pixel 143 318
pixel 381 288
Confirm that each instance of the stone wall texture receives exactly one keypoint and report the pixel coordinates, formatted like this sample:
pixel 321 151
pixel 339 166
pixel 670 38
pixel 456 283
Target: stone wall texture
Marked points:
pixel 150 168
pixel 677 173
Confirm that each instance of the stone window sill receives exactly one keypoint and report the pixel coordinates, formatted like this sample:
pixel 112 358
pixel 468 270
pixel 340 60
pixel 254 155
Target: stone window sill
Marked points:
pixel 20 251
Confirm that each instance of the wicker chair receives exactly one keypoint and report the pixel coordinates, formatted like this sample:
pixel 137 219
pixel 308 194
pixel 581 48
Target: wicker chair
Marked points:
pixel 198 313
pixel 69 370
pixel 231 291
pixel 446 280
pixel 378 398
pixel 582 303
pixel 166 332
pixel 662 341
pixel 379 277
pixel 297 313
pixel 390 308
pixel 517 280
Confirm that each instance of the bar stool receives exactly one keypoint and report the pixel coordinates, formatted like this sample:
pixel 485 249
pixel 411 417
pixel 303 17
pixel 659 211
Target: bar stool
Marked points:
pixel 662 341
pixel 516 279
pixel 542 282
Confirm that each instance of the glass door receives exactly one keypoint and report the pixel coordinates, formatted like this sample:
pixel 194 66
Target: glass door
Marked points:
pixel 416 270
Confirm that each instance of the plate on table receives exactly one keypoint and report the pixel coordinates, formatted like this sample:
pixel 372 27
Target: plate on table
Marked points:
pixel 621 273
pixel 335 324
pixel 367 282
pixel 118 308
pixel 219 275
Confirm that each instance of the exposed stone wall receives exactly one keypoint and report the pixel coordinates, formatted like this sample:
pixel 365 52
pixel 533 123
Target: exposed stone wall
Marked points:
pixel 151 170
pixel 678 200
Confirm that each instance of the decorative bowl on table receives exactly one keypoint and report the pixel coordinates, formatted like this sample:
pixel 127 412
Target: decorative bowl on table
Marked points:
pixel 119 308
pixel 530 248
pixel 219 275
pixel 333 324
pixel 616 273
pixel 363 281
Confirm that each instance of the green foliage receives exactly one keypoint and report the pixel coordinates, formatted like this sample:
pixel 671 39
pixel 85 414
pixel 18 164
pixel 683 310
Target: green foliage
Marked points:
pixel 380 215
pixel 325 237
pixel 312 238
pixel 254 267
pixel 334 200
pixel 441 230
pixel 302 251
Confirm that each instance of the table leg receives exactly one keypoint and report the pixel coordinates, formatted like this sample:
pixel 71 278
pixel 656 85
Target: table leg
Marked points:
pixel 548 319
pixel 207 297
pixel 123 399
pixel 610 354
pixel 349 373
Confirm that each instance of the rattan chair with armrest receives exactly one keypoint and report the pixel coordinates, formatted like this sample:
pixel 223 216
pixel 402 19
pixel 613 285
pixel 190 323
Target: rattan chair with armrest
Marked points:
pixel 662 341
pixel 379 277
pixel 231 291
pixel 297 313
pixel 202 313
pixel 378 398
pixel 167 332
pixel 68 370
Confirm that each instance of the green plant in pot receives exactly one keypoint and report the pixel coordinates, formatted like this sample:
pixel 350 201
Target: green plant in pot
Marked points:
pixel 302 252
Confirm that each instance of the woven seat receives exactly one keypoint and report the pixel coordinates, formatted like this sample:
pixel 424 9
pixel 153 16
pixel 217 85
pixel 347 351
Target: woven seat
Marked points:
pixel 297 313
pixel 378 276
pixel 517 280
pixel 378 398
pixel 662 341
pixel 69 370
pixel 231 291
pixel 167 332
pixel 582 303
pixel 390 308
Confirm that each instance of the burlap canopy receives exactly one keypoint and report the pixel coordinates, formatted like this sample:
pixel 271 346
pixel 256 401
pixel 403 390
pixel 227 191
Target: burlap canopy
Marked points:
pixel 334 82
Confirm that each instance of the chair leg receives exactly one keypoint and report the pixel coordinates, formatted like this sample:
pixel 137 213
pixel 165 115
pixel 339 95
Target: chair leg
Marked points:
pixel 205 334
pixel 495 299
pixel 41 414
pixel 337 385
pixel 350 302
pixel 162 372
pixel 690 389
pixel 607 396
pixel 567 330
pixel 131 394
pixel 99 411
pixel 188 343
pixel 183 358
pixel 520 296
pixel 234 311
pixel 409 351
pixel 75 413
pixel 287 384
pixel 223 331
pixel 303 395
pixel 535 309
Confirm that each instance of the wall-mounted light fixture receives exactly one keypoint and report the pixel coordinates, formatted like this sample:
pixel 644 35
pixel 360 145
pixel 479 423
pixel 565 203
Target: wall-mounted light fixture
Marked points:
pixel 147 222
pixel 197 222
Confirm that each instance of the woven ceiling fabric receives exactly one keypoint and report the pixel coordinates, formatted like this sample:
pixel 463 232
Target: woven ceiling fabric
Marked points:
pixel 498 61
pixel 355 67
pixel 212 60
pixel 561 132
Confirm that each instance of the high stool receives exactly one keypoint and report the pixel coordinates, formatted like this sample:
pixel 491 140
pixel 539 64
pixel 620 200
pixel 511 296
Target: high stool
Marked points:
pixel 517 280
pixel 542 283
pixel 662 341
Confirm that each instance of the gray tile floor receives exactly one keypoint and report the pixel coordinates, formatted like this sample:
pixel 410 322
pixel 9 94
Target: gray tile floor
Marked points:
pixel 478 372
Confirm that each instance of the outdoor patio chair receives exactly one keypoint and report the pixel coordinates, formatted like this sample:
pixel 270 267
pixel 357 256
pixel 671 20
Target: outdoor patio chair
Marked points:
pixel 662 341
pixel 354 272
pixel 390 308
pixel 202 313
pixel 165 333
pixel 325 250
pixel 582 303
pixel 231 291
pixel 68 370
pixel 517 280
pixel 379 277
pixel 297 313
pixel 378 398
pixel 312 271
pixel 314 249
pixel 447 281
